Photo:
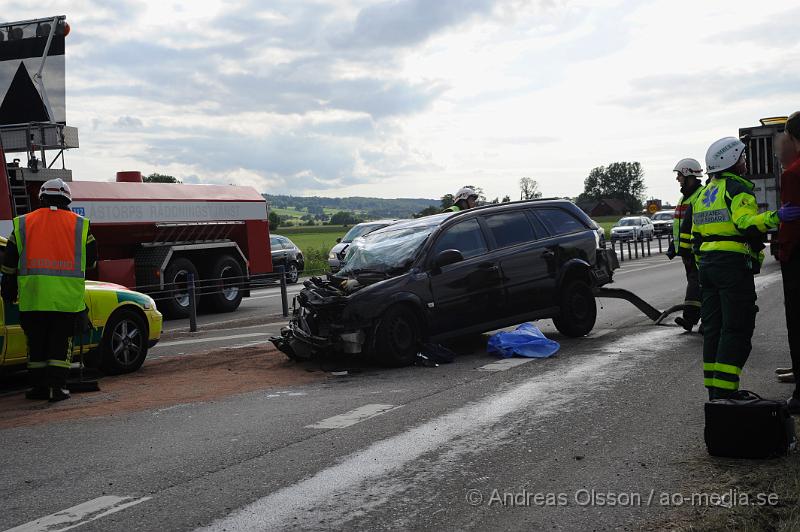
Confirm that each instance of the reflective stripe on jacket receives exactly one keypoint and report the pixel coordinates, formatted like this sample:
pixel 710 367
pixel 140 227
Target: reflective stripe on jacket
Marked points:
pixel 682 224
pixel 725 218
pixel 52 260
pixel 453 208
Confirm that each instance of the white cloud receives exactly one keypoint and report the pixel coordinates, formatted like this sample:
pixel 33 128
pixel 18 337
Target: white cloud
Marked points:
pixel 412 98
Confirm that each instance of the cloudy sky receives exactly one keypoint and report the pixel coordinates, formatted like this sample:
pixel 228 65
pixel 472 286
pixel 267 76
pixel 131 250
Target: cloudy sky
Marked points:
pixel 414 98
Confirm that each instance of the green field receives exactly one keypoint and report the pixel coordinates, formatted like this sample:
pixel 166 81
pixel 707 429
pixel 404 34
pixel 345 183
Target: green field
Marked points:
pixel 314 242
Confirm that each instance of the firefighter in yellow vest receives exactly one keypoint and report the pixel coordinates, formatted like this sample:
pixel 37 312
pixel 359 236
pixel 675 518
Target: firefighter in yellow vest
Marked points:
pixel 45 266
pixel 688 174
pixel 464 199
pixel 727 235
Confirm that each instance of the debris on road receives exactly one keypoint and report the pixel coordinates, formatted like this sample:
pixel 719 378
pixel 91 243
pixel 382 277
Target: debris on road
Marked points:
pixel 525 341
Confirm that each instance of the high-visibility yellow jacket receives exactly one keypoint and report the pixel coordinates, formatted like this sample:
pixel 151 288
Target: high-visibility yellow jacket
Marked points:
pixel 52 260
pixel 725 219
pixel 682 224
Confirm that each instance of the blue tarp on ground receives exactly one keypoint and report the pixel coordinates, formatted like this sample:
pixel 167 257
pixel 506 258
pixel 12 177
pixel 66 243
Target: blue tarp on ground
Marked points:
pixel 525 341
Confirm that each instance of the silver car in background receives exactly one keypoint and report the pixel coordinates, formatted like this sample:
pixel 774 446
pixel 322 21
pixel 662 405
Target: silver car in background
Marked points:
pixel 338 251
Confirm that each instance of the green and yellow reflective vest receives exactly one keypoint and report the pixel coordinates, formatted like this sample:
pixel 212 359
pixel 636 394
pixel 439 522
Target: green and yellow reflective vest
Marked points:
pixel 725 218
pixel 682 224
pixel 52 260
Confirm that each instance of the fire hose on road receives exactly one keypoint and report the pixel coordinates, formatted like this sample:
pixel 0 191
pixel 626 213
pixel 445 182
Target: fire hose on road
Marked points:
pixel 650 311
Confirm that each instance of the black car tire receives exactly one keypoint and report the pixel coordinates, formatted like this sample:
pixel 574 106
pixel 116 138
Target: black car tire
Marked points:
pixel 227 296
pixel 397 337
pixel 176 304
pixel 124 344
pixel 578 309
pixel 292 273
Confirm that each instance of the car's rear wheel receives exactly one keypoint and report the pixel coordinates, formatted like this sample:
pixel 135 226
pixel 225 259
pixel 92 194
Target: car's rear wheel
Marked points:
pixel 124 344
pixel 292 273
pixel 397 336
pixel 578 309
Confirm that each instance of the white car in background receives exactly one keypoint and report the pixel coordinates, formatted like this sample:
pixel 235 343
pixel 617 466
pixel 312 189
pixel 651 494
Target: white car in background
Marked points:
pixel 662 222
pixel 633 228
pixel 338 251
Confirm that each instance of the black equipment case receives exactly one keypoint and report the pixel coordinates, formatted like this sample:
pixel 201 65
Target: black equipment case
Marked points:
pixel 747 426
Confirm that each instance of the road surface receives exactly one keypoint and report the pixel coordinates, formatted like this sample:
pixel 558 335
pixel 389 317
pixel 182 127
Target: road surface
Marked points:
pixel 478 444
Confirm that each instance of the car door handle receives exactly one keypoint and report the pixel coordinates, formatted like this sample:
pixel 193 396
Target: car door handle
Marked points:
pixel 548 254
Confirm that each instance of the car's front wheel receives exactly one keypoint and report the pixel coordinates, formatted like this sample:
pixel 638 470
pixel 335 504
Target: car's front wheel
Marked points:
pixel 397 336
pixel 124 344
pixel 578 309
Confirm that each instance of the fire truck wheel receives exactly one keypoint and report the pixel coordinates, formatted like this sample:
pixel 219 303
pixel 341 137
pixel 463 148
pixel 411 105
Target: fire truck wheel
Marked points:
pixel 228 276
pixel 176 278
pixel 578 309
pixel 124 344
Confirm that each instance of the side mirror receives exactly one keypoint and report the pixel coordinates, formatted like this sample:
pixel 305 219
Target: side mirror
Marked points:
pixel 339 240
pixel 447 257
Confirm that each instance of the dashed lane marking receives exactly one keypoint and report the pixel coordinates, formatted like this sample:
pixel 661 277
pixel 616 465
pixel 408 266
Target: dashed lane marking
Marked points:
pixel 213 339
pixel 80 514
pixel 352 417
pixel 506 363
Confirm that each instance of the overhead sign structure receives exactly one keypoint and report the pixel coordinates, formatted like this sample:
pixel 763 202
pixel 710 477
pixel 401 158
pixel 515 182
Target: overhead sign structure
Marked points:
pixel 32 71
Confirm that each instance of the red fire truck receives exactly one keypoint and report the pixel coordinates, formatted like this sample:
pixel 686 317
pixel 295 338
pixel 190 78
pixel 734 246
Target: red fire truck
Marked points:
pixel 150 236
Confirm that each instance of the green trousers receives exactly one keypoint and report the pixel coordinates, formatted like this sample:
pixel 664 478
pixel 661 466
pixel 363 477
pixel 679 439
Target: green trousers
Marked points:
pixel 729 315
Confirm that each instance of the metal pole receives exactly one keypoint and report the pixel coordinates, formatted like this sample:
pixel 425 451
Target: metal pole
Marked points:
pixel 192 305
pixel 621 252
pixel 630 256
pixel 284 295
pixel 659 243
pixel 636 249
pixel 648 248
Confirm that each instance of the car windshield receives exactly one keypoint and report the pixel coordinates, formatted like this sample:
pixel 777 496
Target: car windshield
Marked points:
pixel 663 216
pixel 391 248
pixel 627 222
pixel 360 230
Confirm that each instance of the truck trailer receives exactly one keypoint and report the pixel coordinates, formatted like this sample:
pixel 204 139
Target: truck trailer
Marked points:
pixel 152 237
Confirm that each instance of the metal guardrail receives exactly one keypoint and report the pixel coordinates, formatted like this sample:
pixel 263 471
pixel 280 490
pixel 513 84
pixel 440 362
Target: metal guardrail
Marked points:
pixel 635 246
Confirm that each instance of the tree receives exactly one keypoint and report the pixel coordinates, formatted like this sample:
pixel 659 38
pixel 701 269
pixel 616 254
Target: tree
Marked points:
pixel 621 180
pixel 447 201
pixel 344 218
pixel 529 189
pixel 427 211
pixel 274 220
pixel 506 199
pixel 160 178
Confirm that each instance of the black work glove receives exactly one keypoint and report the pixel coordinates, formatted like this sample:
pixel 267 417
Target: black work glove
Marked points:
pixel 671 251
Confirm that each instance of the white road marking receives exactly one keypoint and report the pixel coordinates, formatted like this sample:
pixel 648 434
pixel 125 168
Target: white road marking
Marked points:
pixel 341 485
pixel 597 333
pixel 212 339
pixel 621 271
pixel 80 514
pixel 352 417
pixel 504 364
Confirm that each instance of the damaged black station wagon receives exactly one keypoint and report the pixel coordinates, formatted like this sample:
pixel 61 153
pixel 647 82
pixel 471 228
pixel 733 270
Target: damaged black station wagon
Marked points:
pixel 451 274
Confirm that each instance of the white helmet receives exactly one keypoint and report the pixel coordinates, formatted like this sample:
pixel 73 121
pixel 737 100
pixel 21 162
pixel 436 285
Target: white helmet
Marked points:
pixel 464 193
pixel 723 154
pixel 689 167
pixel 55 187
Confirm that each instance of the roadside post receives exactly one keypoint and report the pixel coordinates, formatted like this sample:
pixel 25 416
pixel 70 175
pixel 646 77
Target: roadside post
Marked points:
pixel 621 252
pixel 636 249
pixel 192 304
pixel 284 295
pixel 629 249
pixel 659 243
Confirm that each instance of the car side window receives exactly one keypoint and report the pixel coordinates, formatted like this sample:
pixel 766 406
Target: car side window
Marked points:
pixel 275 243
pixel 466 237
pixel 560 222
pixel 510 228
pixel 285 242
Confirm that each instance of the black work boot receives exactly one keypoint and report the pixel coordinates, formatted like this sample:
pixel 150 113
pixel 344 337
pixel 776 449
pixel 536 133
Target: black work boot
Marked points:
pixel 58 394
pixel 38 393
pixel 684 323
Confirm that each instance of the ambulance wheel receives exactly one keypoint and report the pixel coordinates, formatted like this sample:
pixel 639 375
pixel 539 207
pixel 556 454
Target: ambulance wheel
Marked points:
pixel 578 309
pixel 176 283
pixel 124 344
pixel 228 276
